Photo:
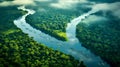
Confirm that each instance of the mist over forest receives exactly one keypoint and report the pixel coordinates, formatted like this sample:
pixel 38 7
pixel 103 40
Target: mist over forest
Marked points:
pixel 60 33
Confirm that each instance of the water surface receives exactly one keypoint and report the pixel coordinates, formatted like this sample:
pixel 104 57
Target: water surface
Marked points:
pixel 72 47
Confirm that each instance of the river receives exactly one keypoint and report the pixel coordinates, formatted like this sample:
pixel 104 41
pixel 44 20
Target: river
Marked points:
pixel 72 47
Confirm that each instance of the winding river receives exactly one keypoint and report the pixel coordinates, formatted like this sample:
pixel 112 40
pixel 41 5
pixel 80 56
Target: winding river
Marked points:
pixel 72 47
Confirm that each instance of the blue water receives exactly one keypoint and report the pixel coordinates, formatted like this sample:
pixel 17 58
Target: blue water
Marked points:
pixel 72 47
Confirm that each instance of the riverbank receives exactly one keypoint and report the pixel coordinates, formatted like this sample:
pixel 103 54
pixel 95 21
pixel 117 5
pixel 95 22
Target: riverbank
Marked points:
pixel 74 49
pixel 102 38
pixel 18 49
pixel 51 21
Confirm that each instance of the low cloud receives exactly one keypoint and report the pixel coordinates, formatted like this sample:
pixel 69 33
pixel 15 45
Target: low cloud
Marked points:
pixel 43 0
pixel 21 2
pixel 113 7
pixel 66 4
pixel 69 4
pixel 94 19
pixel 17 2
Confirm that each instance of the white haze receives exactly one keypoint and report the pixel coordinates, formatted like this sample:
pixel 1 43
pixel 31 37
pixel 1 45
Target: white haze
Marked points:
pixel 70 4
pixel 21 2
pixel 17 2
pixel 96 19
pixel 113 7
pixel 66 4
pixel 42 0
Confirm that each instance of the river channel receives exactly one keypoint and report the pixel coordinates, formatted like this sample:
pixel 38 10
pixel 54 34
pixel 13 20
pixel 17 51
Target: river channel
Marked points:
pixel 71 47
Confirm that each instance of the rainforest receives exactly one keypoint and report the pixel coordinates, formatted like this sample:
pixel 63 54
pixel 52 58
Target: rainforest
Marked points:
pixel 59 33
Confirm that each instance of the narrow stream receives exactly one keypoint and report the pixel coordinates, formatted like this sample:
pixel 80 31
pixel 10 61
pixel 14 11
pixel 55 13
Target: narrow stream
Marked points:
pixel 71 47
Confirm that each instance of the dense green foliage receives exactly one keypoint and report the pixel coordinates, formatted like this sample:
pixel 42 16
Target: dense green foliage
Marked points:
pixel 7 15
pixel 52 21
pixel 17 49
pixel 102 38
